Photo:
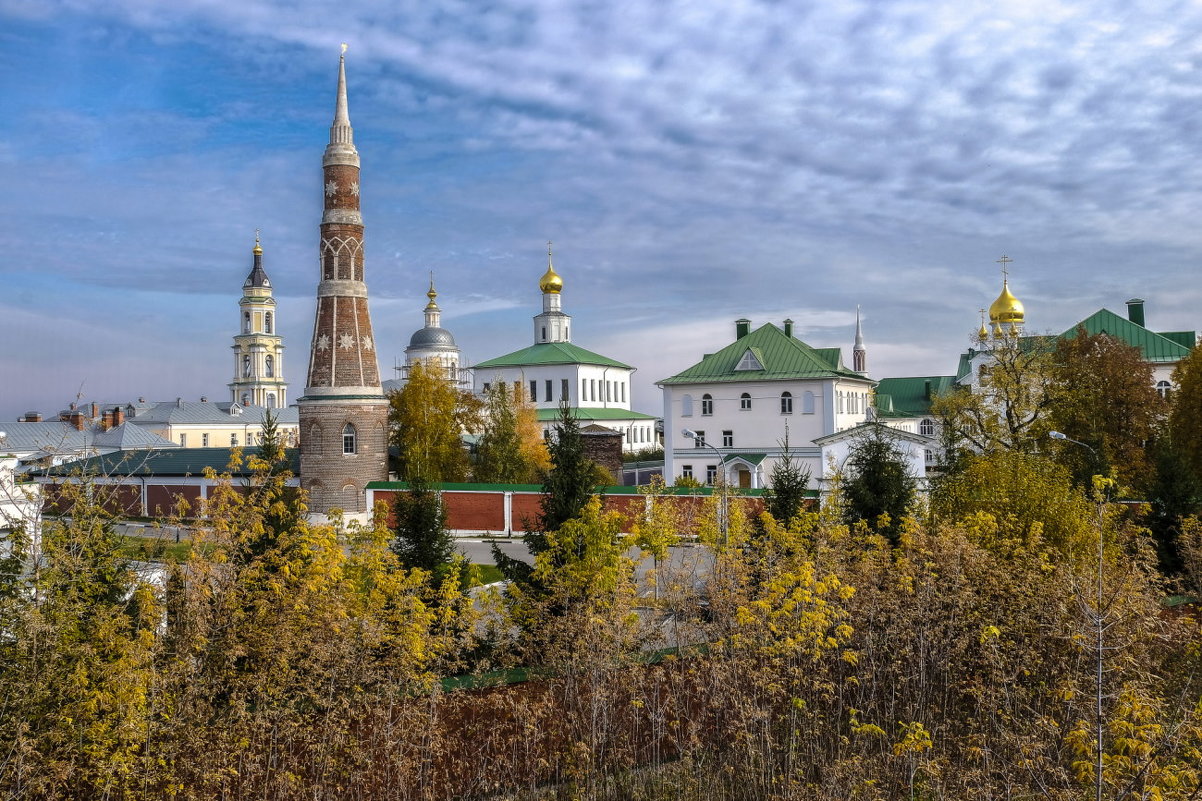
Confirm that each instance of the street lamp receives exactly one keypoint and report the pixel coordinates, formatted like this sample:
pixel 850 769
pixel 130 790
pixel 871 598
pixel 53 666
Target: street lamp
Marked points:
pixel 1099 619
pixel 699 439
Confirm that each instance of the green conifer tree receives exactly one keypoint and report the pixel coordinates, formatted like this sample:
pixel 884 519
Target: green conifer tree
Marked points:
pixel 878 481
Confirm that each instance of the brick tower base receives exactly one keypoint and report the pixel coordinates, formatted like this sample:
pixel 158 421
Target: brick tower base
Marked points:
pixel 332 477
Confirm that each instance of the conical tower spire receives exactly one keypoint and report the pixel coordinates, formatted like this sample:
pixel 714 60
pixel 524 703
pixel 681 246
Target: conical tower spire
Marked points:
pixel 341 149
pixel 433 313
pixel 258 276
pixel 859 354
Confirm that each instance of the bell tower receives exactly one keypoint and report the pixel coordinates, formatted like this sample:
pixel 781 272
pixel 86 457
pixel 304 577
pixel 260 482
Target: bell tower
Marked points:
pixel 343 414
pixel 258 347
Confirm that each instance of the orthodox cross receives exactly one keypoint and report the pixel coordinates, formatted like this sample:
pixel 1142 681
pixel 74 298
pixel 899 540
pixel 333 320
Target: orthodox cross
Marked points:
pixel 1005 262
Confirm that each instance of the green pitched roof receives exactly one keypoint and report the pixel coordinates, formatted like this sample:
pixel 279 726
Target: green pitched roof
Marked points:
pixel 550 353
pixel 167 462
pixel 782 357
pixel 1152 346
pixel 908 397
pixel 546 415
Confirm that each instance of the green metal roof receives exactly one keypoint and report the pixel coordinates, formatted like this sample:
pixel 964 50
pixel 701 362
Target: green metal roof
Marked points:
pixel 166 462
pixel 910 397
pixel 547 415
pixel 783 357
pixel 551 353
pixel 1152 346
pixel 1186 339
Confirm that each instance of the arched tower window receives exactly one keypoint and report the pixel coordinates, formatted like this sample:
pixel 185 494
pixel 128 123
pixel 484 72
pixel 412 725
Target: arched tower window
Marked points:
pixel 349 443
pixel 270 400
pixel 707 404
pixel 786 403
pixel 267 322
pixel 269 366
pixel 246 366
pixel 246 322
pixel 927 427
pixel 1163 388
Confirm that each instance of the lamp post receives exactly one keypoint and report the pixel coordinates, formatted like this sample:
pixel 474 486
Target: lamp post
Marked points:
pixel 693 435
pixel 1098 621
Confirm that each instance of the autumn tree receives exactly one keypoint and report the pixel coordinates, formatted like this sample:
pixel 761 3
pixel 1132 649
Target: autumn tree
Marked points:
pixel 511 448
pixel 567 487
pixel 878 486
pixel 1104 397
pixel 428 417
pixel 1185 421
pixel 1011 407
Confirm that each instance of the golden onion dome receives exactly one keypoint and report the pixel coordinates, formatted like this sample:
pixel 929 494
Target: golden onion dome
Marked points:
pixel 550 282
pixel 983 333
pixel 1007 308
pixel 431 294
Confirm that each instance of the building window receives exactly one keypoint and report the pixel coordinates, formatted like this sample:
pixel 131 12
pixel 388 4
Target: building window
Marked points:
pixel 623 392
pixel 204 440
pixel 267 322
pixel 246 322
pixel 807 402
pixel 839 396
pixel 487 385
pixel 348 438
pixel 270 400
pixel 786 403
pixel 711 473
pixel 686 471
pixel 246 366
pixel 547 387
pixel 728 439
pixel 745 401
pixel 544 333
pixel 686 405
pixel 927 427
pixel 699 439
pixel 563 389
pixel 269 366
pixel 749 362
pixel 183 440
pixel 1163 388
pixel 707 405
pixel 534 392
pixel 233 440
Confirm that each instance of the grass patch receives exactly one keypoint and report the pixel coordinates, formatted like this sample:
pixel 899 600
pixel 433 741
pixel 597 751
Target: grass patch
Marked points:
pixel 155 549
pixel 489 574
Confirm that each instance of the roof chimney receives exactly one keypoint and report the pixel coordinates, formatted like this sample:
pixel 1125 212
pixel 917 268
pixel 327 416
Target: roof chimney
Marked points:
pixel 1135 311
pixel 76 420
pixel 926 389
pixel 118 416
pixel 31 417
pixel 742 327
pixel 204 398
pixel 788 327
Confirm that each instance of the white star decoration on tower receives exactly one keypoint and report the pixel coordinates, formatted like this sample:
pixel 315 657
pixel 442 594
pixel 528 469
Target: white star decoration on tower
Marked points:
pixel 346 341
pixel 355 188
pixel 367 343
pixel 323 342
pixel 331 188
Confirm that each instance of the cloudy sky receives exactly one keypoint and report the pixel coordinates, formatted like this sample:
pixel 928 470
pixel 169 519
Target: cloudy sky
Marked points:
pixel 694 162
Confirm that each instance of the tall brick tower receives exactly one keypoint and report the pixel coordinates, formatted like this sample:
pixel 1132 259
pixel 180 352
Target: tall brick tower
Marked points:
pixel 343 414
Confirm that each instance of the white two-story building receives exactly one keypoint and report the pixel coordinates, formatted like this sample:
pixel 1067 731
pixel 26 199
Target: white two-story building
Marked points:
pixel 738 406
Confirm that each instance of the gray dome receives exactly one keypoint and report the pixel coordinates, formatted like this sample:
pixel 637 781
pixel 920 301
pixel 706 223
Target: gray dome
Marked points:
pixel 425 337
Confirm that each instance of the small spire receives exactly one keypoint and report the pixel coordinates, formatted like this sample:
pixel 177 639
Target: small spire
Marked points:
pixel 859 344
pixel 340 130
pixel 258 251
pixel 432 293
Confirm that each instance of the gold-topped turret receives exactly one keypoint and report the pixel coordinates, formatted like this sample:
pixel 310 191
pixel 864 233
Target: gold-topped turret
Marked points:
pixel 258 251
pixel 431 294
pixel 1007 309
pixel 550 282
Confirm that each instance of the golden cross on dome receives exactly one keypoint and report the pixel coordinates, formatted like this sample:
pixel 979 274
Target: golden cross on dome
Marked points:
pixel 344 47
pixel 1005 262
pixel 548 248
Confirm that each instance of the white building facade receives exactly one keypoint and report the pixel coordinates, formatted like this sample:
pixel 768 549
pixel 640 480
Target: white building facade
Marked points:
pixel 741 403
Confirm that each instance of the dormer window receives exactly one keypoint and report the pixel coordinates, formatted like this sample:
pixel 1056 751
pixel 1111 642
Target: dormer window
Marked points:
pixel 749 362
